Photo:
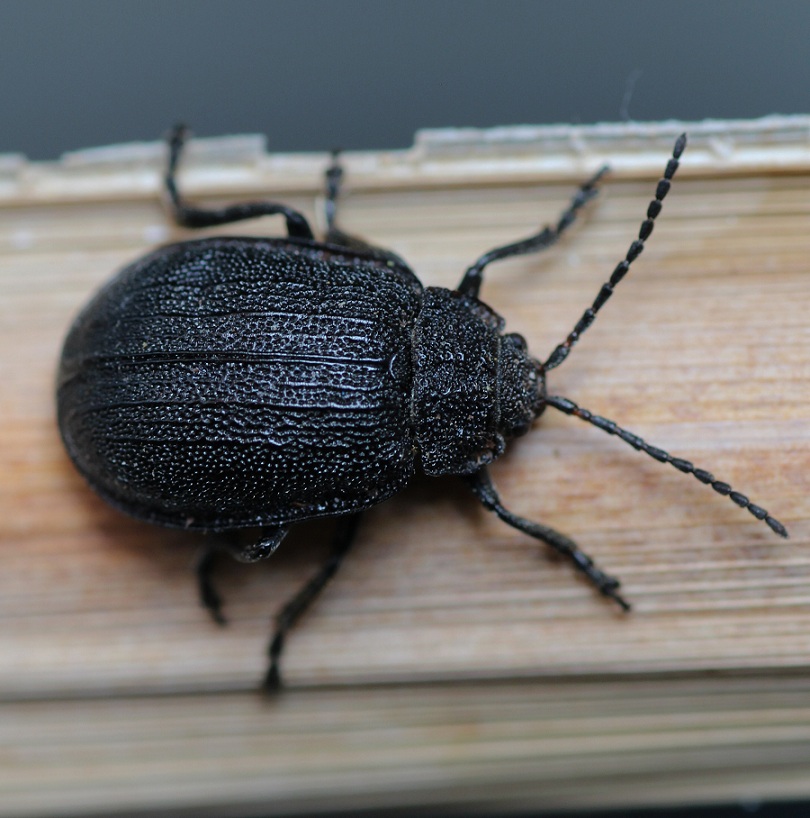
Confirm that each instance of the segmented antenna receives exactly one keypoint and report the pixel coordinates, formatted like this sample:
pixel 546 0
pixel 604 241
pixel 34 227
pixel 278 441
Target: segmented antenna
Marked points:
pixel 645 231
pixel 612 428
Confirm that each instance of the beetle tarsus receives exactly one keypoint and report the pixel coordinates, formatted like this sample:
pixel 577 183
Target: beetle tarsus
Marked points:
pixel 610 590
pixel 333 178
pixel 209 597
pixel 334 182
pixel 272 679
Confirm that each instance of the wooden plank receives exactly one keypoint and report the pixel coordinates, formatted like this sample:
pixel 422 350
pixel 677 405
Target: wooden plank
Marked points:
pixel 704 351
pixel 496 747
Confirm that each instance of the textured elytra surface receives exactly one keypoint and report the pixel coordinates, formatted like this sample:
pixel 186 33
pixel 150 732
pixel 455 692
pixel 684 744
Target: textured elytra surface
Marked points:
pixel 233 382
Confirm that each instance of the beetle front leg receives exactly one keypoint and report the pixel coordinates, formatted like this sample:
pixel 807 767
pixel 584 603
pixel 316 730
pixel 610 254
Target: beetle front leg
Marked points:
pixel 297 606
pixel 608 586
pixel 470 284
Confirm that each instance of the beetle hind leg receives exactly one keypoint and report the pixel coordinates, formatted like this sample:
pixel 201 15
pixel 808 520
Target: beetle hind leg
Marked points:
pixel 608 586
pixel 262 548
pixel 209 596
pixel 188 216
pixel 294 609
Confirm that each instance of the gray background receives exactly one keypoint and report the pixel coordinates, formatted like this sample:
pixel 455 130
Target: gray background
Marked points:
pixel 315 75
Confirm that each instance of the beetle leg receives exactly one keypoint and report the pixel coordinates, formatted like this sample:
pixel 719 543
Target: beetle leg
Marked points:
pixel 209 597
pixel 189 216
pixel 608 586
pixel 471 282
pixel 334 235
pixel 334 182
pixel 297 606
pixel 260 549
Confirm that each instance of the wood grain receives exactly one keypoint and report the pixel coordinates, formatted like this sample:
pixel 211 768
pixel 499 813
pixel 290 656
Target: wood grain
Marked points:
pixel 452 661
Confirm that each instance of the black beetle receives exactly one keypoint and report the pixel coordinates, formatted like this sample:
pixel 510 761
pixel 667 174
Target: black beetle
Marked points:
pixel 228 383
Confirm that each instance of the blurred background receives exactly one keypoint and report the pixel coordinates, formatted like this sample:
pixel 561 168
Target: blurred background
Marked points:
pixel 360 74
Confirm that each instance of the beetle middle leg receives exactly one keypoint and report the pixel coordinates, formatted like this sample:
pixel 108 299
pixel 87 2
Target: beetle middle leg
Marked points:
pixel 297 606
pixel 334 234
pixel 482 486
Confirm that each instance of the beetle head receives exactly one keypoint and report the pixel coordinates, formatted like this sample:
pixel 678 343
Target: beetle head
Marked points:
pixel 522 384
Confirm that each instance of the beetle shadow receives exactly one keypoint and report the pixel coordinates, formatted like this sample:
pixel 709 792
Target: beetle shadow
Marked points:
pixel 166 558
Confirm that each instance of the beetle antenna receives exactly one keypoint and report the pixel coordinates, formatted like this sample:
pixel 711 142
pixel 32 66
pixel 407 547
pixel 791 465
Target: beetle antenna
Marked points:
pixel 645 231
pixel 612 428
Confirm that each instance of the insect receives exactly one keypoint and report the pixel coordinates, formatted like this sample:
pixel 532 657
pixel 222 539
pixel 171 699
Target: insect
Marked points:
pixel 230 383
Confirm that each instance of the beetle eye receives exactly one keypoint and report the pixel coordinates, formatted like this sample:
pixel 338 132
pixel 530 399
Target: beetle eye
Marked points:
pixel 518 341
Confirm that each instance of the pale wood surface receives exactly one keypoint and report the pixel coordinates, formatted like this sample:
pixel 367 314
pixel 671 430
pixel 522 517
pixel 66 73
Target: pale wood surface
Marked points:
pixel 705 350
